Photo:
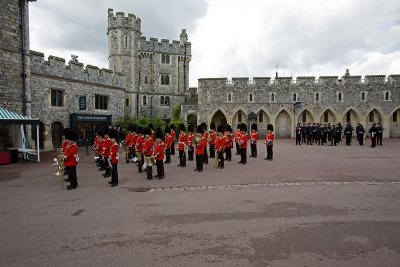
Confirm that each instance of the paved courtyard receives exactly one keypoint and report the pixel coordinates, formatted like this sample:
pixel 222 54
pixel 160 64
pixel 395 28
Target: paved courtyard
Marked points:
pixel 310 206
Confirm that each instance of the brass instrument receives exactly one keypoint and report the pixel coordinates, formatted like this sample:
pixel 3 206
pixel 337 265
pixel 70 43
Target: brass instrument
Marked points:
pixel 217 162
pixel 127 148
pixel 148 161
pixel 196 141
pixel 59 162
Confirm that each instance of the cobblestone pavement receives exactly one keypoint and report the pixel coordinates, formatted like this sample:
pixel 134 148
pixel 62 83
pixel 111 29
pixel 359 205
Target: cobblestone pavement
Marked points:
pixel 311 206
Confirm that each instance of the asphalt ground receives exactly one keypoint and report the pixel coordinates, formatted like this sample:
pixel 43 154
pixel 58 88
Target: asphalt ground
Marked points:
pixel 310 206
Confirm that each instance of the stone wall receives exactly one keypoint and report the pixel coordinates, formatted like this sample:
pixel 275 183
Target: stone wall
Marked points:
pixel 275 100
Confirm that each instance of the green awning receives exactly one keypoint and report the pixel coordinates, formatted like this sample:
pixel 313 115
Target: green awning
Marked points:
pixel 10 117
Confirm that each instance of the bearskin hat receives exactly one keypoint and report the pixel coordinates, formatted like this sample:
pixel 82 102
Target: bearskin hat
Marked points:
pixel 167 130
pixel 104 131
pixel 158 133
pixel 151 126
pixel 172 126
pixel 238 126
pixel 200 129
pixel 140 130
pixel 270 127
pixel 212 125
pixel 113 134
pixel 190 128
pixel 220 129
pixel 132 128
pixel 228 128
pixel 243 127
pixel 182 127
pixel 204 125
pixel 147 131
pixel 71 135
pixel 254 127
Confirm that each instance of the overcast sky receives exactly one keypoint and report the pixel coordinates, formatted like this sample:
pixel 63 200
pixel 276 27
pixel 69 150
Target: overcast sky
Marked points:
pixel 236 38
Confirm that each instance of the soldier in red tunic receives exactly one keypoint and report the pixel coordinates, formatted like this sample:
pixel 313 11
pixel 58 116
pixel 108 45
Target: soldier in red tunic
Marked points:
pixel 244 138
pixel 253 140
pixel 205 136
pixel 182 143
pixel 212 138
pixel 114 156
pixel 269 141
pixel 148 151
pixel 220 143
pixel 173 135
pixel 158 153
pixel 168 144
pixel 199 144
pixel 237 138
pixel 71 158
pixel 139 148
pixel 106 153
pixel 191 137
pixel 229 142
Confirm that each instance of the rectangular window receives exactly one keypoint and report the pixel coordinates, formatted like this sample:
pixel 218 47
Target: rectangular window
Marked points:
pixel 304 117
pixel 126 102
pixel 101 102
pixel 126 41
pixel 165 79
pixel 260 117
pixel 57 98
pixel 165 59
pixel 395 116
pixel 240 117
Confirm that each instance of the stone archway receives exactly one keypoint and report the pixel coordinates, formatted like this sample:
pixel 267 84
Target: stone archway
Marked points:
pixel 283 124
pixel 192 119
pixel 239 117
pixel 305 117
pixel 262 122
pixel 328 117
pixel 219 118
pixel 351 116
pixel 56 134
pixel 394 128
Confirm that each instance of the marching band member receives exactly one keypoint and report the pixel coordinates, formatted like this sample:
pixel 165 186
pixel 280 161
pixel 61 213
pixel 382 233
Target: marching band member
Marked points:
pixel 211 139
pixel 70 158
pixel 147 151
pixel 253 140
pixel 100 149
pixel 173 135
pixel 229 142
pixel 220 146
pixel 191 137
pixel 182 143
pixel 152 130
pixel 199 144
pixel 269 141
pixel 243 144
pixel 106 153
pixel 114 157
pixel 168 143
pixel 127 144
pixel 237 139
pixel 132 144
pixel 158 153
pixel 205 135
pixel 139 148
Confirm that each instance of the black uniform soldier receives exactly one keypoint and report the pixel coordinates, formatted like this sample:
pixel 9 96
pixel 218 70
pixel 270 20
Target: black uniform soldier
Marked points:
pixel 314 131
pixel 304 133
pixel 379 134
pixel 333 135
pixel 373 131
pixel 329 132
pixel 339 128
pixel 360 134
pixel 309 134
pixel 348 131
pixel 298 134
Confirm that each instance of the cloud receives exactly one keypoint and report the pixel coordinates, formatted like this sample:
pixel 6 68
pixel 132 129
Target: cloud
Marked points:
pixel 235 37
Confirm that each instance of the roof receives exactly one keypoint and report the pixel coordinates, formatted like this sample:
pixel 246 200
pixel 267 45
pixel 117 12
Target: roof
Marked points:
pixel 14 118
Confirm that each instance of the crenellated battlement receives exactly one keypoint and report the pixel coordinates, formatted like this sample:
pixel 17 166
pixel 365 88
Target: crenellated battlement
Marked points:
pixel 56 67
pixel 120 21
pixel 163 46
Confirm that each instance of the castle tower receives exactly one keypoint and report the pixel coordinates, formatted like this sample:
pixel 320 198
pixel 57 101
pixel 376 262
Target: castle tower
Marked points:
pixel 123 33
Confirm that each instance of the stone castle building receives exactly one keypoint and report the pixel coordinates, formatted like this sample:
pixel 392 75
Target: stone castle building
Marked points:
pixel 149 78
pixel 285 101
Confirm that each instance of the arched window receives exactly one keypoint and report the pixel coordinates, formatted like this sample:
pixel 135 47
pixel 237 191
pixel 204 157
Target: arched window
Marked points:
pixel 272 97
pixel 230 97
pixel 167 100
pixel 395 116
pixel 339 96
pixel 371 116
pixel 251 97
pixel 294 97
pixel 304 116
pixel 165 79
pixel 326 116
pixel 363 96
pixel 145 80
pixel 387 95
pixel 261 117
pixel 144 100
pixel 165 59
pixel 348 116
pixel 240 116
pixel 317 97
pixel 126 39
pixel 162 101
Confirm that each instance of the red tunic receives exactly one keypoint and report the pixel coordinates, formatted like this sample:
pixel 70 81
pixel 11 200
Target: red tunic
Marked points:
pixel 220 143
pixel 253 138
pixel 243 140
pixel 133 141
pixel 168 141
pixel 201 145
pixel 64 146
pixel 139 143
pixel 229 138
pixel 173 135
pixel 269 138
pixel 114 153
pixel 128 139
pixel 182 141
pixel 107 147
pixel 70 155
pixel 159 150
pixel 238 133
pixel 148 146
pixel 213 137
pixel 190 139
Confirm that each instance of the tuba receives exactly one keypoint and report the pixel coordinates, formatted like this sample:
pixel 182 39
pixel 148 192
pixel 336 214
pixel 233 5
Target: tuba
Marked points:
pixel 59 162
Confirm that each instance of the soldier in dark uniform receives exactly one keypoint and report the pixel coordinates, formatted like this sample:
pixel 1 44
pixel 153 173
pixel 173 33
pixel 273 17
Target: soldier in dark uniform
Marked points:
pixel 339 128
pixel 314 131
pixel 360 134
pixel 333 135
pixel 379 134
pixel 329 132
pixel 373 131
pixel 321 135
pixel 304 133
pixel 348 131
pixel 309 134
pixel 298 134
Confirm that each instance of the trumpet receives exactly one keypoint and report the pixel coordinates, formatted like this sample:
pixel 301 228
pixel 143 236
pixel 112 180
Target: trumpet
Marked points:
pixel 59 162
pixel 217 162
